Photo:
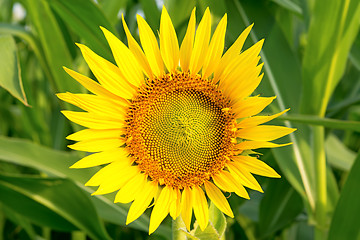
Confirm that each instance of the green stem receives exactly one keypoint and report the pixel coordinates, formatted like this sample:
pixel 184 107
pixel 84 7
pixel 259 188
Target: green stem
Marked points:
pixel 177 226
pixel 321 194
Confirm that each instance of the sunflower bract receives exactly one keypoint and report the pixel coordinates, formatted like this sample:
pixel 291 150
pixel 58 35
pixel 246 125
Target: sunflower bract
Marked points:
pixel 166 120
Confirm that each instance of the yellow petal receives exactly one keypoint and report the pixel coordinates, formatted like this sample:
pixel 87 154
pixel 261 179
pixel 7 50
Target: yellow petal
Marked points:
pixel 128 192
pixel 161 208
pixel 150 46
pixel 244 177
pixel 254 166
pixel 200 206
pixel 264 132
pixel 186 207
pixel 95 104
pixel 91 120
pixel 137 51
pixel 97 159
pixel 231 53
pixel 251 106
pixel 259 144
pixel 110 170
pixel 257 120
pixel 108 74
pixel 169 45
pixel 227 182
pixel 98 145
pixel 90 134
pixel 142 201
pixel 117 180
pixel 242 83
pixel 187 43
pixel 125 60
pixel 217 197
pixel 201 43
pixel 175 208
pixel 93 86
pixel 246 60
pixel 216 48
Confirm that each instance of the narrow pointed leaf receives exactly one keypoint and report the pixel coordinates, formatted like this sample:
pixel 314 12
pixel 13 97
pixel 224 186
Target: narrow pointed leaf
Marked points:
pixel 348 207
pixel 10 75
pixel 84 18
pixel 54 202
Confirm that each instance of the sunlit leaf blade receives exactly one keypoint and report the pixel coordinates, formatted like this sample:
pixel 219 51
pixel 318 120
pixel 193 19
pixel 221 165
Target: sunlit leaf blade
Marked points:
pixel 290 5
pixel 57 203
pixel 85 18
pixel 10 75
pixel 52 40
pixel 333 28
pixel 348 208
pixel 325 122
pixel 338 155
pixel 56 163
pixel 279 207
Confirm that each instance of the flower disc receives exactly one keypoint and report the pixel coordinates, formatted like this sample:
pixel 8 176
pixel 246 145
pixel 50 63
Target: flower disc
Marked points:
pixel 180 130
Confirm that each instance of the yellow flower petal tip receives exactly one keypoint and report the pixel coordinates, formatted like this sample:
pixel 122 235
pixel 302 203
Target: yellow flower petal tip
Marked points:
pixel 75 166
pixel 174 124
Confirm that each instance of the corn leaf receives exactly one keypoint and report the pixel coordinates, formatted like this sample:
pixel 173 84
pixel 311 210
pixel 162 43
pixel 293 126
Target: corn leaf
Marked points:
pixel 10 75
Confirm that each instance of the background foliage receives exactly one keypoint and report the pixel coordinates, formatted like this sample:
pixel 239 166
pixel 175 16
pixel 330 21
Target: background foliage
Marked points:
pixel 312 65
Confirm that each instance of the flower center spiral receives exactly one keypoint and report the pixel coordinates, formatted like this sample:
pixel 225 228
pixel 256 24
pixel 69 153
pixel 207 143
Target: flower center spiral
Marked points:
pixel 179 130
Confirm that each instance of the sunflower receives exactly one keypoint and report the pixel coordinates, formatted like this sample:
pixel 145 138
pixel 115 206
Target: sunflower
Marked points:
pixel 173 124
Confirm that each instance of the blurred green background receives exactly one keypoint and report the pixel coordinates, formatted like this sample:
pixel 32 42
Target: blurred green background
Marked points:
pixel 312 65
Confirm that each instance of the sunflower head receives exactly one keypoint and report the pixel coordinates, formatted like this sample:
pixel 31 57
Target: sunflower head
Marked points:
pixel 173 124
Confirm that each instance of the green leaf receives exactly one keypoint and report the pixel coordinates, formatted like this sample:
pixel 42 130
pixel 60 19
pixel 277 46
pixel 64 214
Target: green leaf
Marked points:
pixel 53 42
pixel 289 5
pixel 338 155
pixel 25 35
pixel 319 121
pixel 152 13
pixel 10 76
pixel 179 12
pixel 217 219
pixel 279 207
pixel 214 230
pixel 209 233
pixel 299 231
pixel 19 220
pixel 54 202
pixel 111 9
pixel 56 163
pixel 355 52
pixel 348 208
pixel 333 28
pixel 6 7
pixel 85 18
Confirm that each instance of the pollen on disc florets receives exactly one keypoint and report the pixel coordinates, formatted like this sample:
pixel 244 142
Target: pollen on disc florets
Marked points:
pixel 179 129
